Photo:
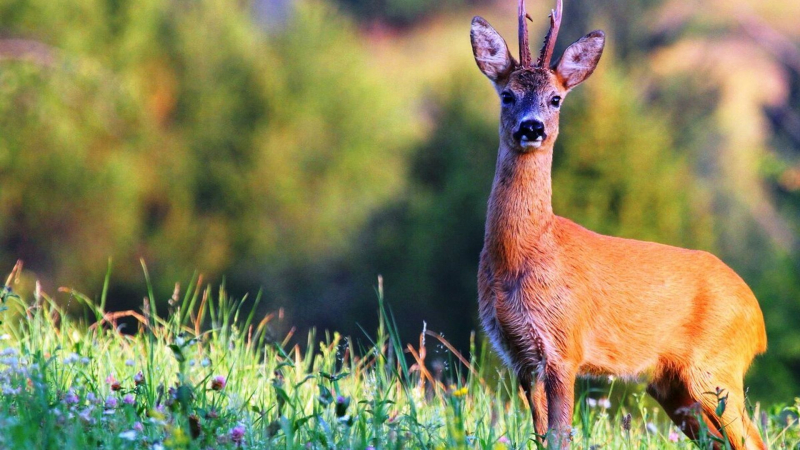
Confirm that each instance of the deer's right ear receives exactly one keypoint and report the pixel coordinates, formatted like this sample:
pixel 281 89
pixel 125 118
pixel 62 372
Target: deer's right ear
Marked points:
pixel 491 52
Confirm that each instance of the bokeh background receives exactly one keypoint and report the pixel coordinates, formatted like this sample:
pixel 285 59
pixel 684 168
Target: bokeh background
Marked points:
pixel 303 147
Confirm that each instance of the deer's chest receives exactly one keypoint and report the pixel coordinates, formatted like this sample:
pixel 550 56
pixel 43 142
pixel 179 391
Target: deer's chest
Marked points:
pixel 512 314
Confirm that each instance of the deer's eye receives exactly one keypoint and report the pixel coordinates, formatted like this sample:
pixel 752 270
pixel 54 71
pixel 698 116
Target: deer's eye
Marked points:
pixel 555 101
pixel 507 98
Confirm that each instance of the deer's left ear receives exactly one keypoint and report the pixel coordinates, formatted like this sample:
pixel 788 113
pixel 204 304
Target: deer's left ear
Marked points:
pixel 580 59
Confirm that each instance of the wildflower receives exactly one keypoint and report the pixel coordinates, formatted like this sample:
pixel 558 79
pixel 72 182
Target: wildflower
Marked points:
pixel 460 392
pixel 129 435
pixel 626 422
pixel 129 362
pixel 138 426
pixel 674 436
pixel 8 351
pixel 651 427
pixel 218 383
pixel 5 337
pixel 341 405
pixel 111 402
pixel 138 379
pixel 192 362
pixel 86 415
pixel 591 403
pixel 604 403
pixel 91 398
pixel 85 360
pixel 10 361
pixel 71 398
pixel 8 390
pixel 504 440
pixel 205 362
pixel 177 438
pixel 113 383
pixel 72 358
pixel 129 399
pixel 237 434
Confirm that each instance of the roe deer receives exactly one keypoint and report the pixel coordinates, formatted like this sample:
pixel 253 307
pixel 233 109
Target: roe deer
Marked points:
pixel 559 301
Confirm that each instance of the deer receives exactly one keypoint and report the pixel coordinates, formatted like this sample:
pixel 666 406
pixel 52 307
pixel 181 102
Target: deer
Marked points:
pixel 559 301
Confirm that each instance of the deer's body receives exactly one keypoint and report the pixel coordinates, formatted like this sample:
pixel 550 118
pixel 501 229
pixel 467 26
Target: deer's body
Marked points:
pixel 559 301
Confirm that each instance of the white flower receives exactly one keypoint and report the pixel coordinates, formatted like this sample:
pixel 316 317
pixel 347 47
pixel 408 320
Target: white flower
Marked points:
pixel 5 337
pixel 591 403
pixel 604 403
pixel 129 435
pixel 651 427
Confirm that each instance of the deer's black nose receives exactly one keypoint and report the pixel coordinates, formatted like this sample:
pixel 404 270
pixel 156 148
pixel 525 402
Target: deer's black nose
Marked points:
pixel 531 130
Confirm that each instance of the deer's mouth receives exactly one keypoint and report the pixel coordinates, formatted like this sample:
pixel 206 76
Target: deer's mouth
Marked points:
pixel 531 144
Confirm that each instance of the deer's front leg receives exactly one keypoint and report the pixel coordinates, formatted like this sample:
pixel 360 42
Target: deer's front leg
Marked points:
pixel 559 385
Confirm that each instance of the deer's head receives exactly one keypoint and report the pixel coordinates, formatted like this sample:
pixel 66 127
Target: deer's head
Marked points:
pixel 531 94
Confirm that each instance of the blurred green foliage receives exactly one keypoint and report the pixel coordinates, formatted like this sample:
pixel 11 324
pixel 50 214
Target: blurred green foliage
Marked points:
pixel 285 154
pixel 190 137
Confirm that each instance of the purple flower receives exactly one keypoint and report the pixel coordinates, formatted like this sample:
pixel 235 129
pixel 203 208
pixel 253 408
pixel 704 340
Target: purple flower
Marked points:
pixel 113 383
pixel 71 398
pixel 91 398
pixel 138 426
pixel 237 433
pixel 129 399
pixel 111 402
pixel 218 383
pixel 674 436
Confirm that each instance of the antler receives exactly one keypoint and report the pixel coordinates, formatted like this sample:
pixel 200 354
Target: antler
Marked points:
pixel 524 48
pixel 552 34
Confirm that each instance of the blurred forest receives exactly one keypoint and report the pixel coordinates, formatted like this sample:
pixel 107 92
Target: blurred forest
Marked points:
pixel 306 146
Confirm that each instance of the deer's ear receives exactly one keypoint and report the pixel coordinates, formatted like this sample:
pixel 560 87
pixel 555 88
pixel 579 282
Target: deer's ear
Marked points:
pixel 580 59
pixel 491 52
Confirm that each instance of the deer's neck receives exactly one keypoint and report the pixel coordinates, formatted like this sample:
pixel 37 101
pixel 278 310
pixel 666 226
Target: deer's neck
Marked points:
pixel 520 214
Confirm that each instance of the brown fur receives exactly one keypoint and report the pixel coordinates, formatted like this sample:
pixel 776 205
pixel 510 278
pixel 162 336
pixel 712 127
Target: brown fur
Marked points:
pixel 559 301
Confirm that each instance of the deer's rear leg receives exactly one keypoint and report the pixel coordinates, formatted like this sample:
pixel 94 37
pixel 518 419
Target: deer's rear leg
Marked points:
pixel 537 399
pixel 740 432
pixel 559 385
pixel 682 408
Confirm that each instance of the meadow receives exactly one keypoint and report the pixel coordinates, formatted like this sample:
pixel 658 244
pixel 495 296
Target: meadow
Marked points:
pixel 207 375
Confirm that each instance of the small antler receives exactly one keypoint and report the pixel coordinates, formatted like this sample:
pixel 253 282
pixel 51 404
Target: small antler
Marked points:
pixel 524 48
pixel 550 39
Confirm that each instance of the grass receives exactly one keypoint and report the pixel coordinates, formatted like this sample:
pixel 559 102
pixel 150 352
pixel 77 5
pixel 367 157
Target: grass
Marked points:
pixel 209 376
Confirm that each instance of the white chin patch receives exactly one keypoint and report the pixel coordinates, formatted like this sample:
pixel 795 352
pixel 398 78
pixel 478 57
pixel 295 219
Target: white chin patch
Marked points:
pixel 530 145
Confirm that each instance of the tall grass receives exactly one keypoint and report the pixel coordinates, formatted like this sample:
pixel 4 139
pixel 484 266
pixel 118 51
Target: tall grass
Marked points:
pixel 209 375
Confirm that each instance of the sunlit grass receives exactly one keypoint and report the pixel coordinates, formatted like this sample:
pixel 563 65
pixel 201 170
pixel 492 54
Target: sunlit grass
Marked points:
pixel 209 376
